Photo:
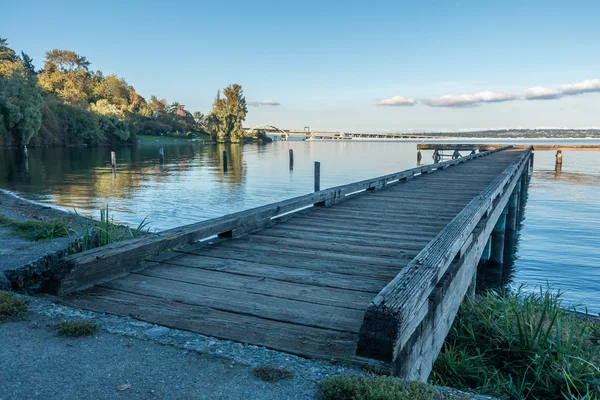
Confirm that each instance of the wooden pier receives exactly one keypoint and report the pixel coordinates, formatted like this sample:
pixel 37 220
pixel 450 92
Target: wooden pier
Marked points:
pixel 371 272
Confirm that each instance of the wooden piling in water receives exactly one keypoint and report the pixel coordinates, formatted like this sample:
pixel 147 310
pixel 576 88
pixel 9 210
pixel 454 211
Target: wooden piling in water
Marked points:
pixel 291 159
pixel 558 157
pixel 113 161
pixel 497 251
pixel 225 160
pixel 317 176
pixel 419 156
pixel 161 155
pixel 513 211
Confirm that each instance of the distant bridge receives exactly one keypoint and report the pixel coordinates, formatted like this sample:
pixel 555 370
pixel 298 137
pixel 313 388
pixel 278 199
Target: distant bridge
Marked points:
pixel 308 134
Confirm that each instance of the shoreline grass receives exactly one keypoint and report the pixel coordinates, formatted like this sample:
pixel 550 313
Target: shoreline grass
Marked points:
pixel 521 346
pixel 38 230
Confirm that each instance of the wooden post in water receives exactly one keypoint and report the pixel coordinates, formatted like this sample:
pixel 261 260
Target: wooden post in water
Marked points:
pixel 317 176
pixel 497 253
pixel 161 155
pixel 291 159
pixel 225 160
pixel 419 156
pixel 113 162
pixel 558 157
pixel 513 211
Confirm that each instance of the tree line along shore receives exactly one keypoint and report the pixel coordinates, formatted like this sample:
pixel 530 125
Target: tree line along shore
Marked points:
pixel 67 103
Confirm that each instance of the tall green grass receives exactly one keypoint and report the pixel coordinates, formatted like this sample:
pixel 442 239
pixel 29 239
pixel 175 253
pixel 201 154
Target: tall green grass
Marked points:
pixel 106 232
pixel 521 346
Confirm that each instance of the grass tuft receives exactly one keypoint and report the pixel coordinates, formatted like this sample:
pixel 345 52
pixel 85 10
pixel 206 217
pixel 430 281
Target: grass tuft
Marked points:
pixel 11 306
pixel 272 374
pixel 521 346
pixel 374 388
pixel 106 232
pixel 38 230
pixel 76 328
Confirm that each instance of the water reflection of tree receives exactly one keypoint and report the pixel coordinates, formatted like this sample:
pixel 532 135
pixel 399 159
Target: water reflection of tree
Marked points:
pixel 79 173
pixel 236 168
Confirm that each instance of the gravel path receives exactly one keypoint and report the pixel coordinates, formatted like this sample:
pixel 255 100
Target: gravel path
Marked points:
pixel 158 363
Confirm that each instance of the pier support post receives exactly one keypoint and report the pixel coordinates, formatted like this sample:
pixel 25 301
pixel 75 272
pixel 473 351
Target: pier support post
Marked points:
pixel 436 156
pixel 291 159
pixel 558 158
pixel 419 157
pixel 225 160
pixel 497 253
pixel 513 211
pixel 113 161
pixel 531 160
pixel 161 155
pixel 487 250
pixel 317 176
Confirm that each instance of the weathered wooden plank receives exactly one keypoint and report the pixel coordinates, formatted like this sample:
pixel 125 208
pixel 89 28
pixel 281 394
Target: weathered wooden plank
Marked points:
pixel 305 261
pixel 409 242
pixel 262 306
pixel 291 338
pixel 324 255
pixel 380 236
pixel 370 249
pixel 263 285
pixel 279 272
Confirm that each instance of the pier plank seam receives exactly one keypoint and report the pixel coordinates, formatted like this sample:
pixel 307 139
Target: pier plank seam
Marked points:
pixel 83 270
pixel 392 320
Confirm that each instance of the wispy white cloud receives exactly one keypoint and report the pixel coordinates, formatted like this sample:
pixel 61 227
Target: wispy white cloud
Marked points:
pixel 469 100
pixel 264 103
pixel 541 93
pixel 397 101
pixel 587 86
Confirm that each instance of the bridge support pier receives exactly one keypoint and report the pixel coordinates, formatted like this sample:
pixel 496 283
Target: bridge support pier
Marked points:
pixel 497 251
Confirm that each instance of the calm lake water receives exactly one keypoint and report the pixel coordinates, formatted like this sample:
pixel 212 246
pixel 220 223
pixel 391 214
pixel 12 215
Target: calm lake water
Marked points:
pixel 559 242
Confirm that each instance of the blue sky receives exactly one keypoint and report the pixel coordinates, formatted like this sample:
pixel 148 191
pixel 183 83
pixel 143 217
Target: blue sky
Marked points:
pixel 328 64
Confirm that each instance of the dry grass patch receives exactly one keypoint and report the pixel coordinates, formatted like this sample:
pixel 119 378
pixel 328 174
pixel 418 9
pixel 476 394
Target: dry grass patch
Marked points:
pixel 76 328
pixel 11 306
pixel 272 374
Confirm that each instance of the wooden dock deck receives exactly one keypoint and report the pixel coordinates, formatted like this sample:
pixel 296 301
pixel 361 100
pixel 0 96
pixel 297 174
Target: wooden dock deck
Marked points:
pixel 300 282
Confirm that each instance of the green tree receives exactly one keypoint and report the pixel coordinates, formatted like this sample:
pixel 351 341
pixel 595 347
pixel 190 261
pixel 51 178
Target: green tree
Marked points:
pixel 113 89
pixel 6 53
pixel 66 74
pixel 20 106
pixel 27 62
pixel 224 123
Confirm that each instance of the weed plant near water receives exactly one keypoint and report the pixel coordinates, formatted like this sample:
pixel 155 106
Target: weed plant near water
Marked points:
pixel 521 346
